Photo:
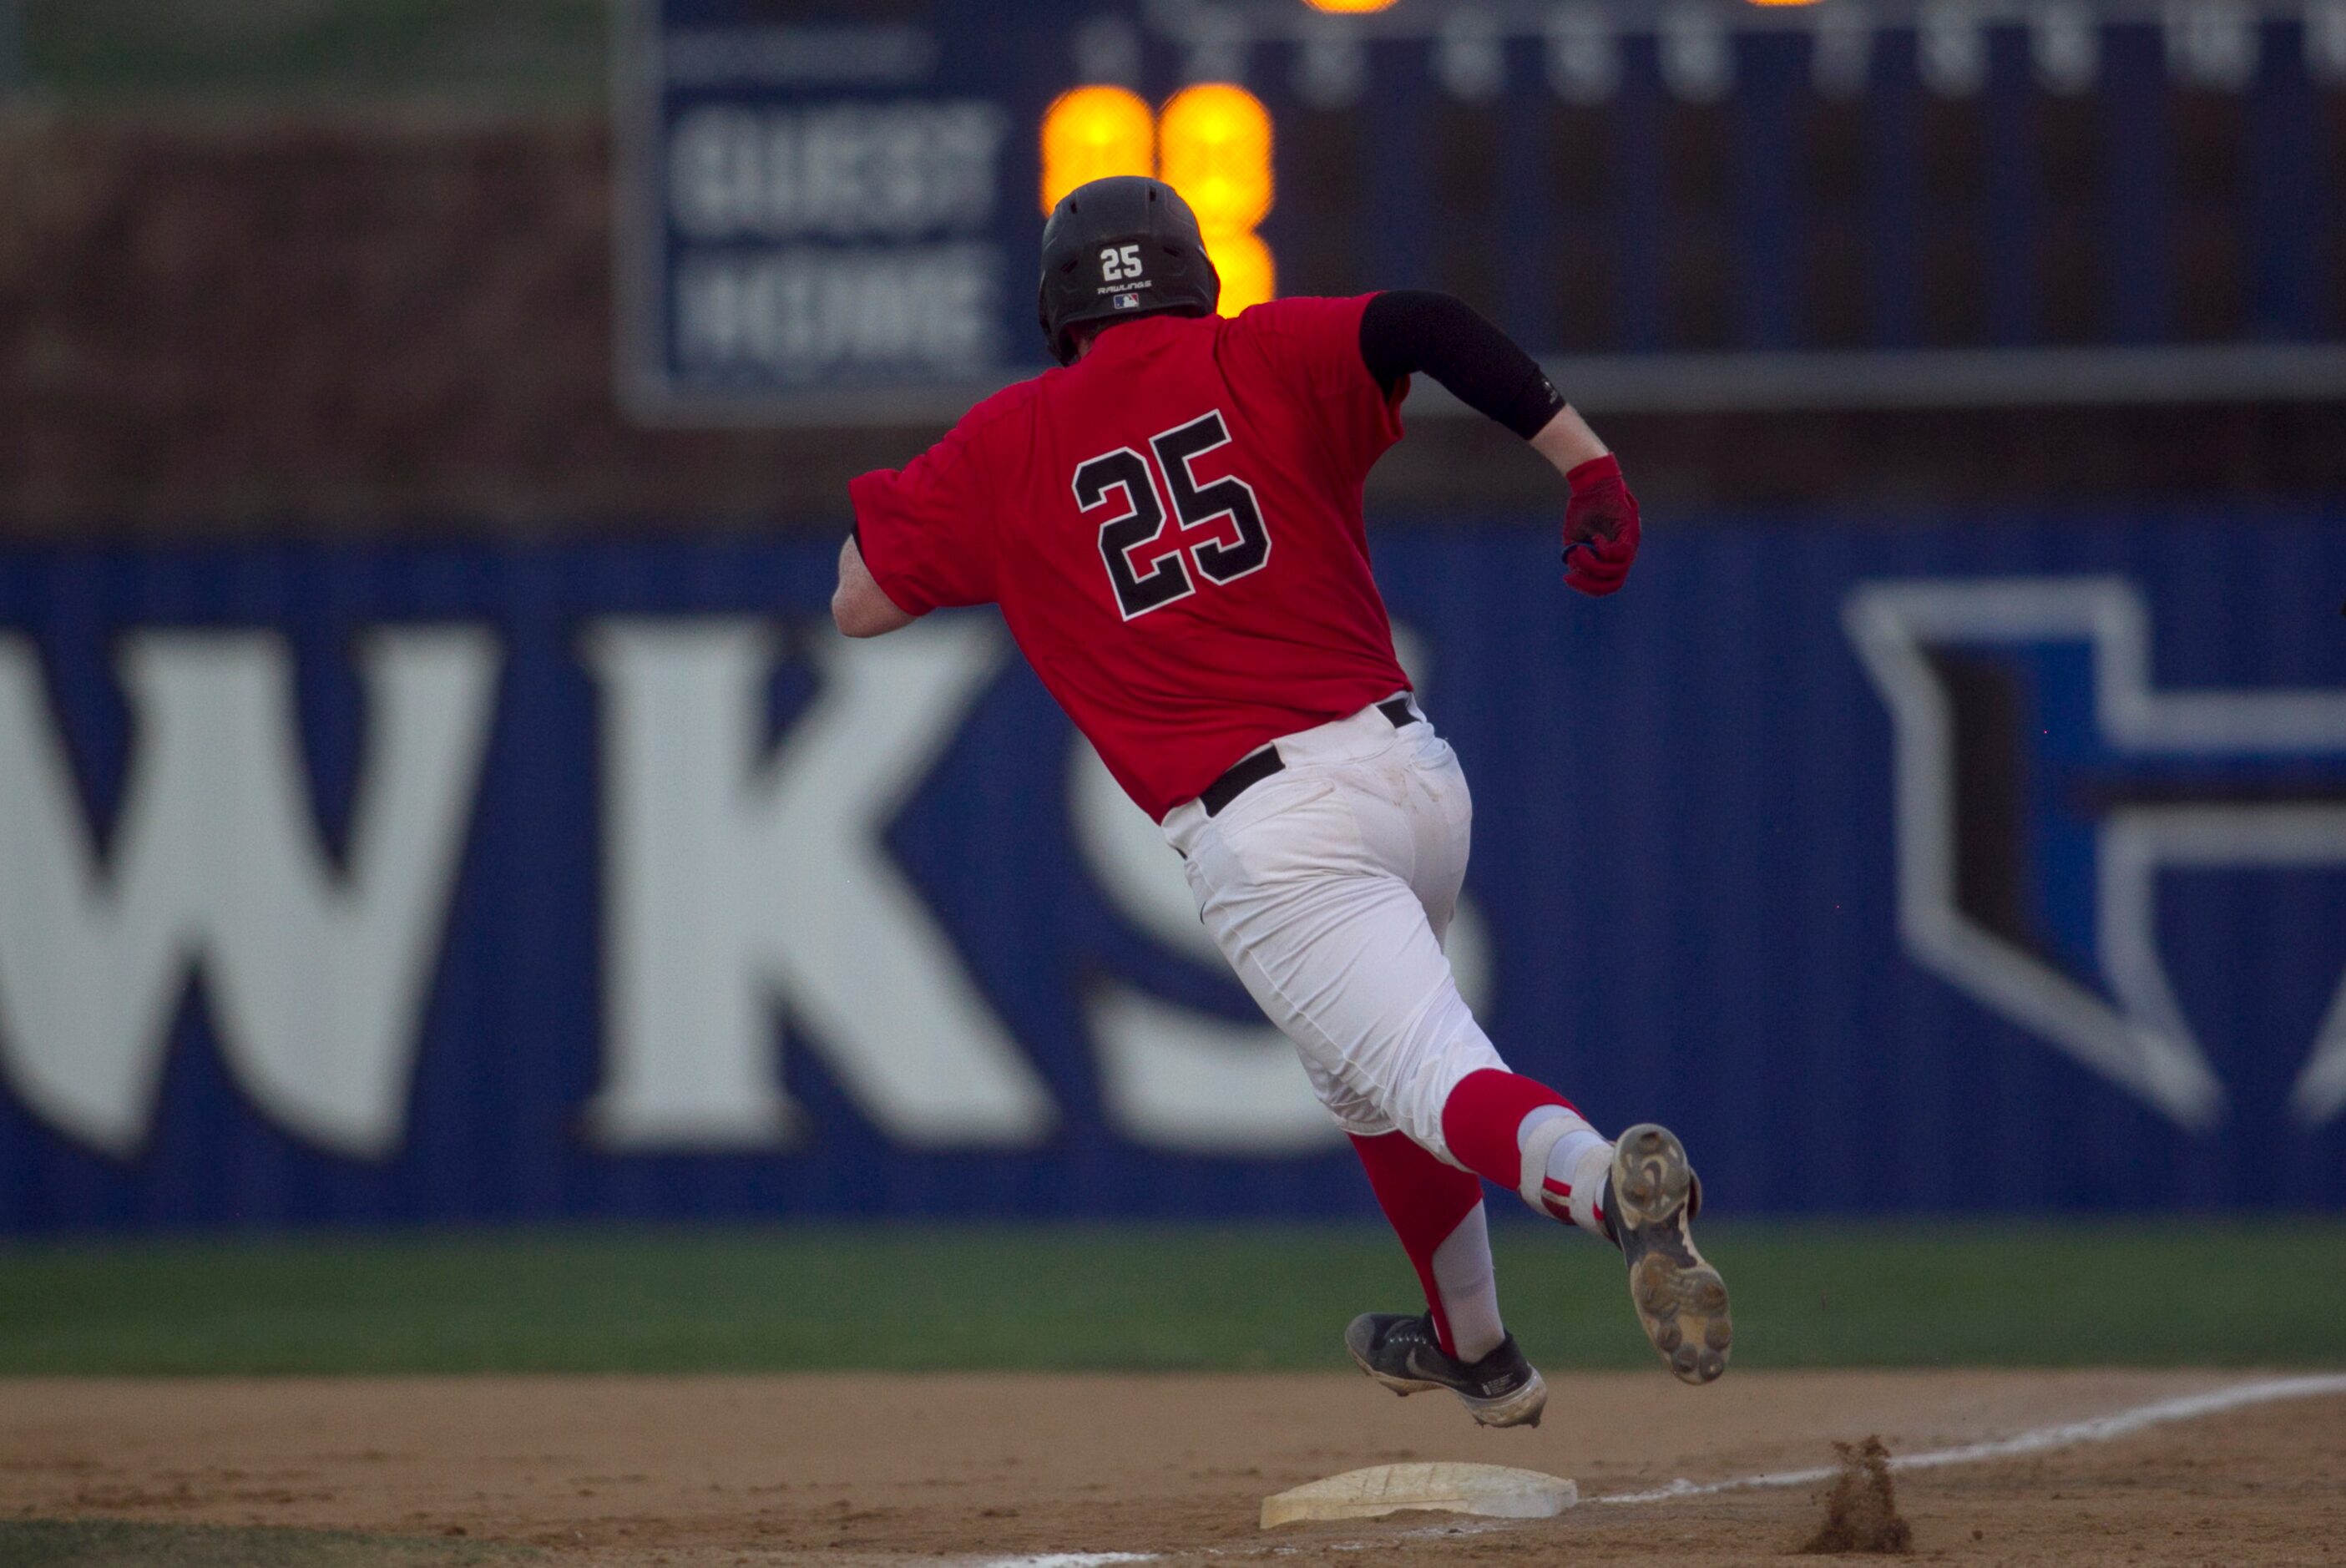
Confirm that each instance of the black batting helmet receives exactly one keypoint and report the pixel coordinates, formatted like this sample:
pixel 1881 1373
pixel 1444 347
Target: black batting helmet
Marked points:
pixel 1119 248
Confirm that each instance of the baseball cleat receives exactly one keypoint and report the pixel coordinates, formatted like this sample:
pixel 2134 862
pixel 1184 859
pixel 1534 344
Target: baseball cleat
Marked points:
pixel 1401 1352
pixel 1649 1197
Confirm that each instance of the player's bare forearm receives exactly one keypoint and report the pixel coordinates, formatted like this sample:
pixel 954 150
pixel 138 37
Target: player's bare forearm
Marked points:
pixel 857 606
pixel 1566 442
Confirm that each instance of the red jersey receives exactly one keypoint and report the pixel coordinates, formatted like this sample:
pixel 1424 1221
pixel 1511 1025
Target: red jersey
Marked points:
pixel 1172 528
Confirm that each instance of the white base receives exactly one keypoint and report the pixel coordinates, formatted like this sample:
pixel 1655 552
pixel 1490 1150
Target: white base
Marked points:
pixel 1493 1490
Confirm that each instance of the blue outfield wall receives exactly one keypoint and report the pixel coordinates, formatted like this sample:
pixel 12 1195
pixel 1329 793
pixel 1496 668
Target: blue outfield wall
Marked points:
pixel 1990 864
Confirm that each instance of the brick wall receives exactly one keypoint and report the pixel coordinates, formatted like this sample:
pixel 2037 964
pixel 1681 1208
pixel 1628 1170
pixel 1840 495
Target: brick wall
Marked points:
pixel 403 326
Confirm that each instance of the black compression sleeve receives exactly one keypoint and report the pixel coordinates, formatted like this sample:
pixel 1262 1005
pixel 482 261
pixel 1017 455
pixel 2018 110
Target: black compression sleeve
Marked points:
pixel 1408 331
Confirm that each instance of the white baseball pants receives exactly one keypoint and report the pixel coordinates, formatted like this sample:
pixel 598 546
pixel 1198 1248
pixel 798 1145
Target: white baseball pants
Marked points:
pixel 1330 886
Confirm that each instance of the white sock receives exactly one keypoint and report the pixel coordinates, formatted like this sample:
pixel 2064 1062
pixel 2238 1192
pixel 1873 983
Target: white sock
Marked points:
pixel 1469 1288
pixel 1583 1179
pixel 1572 1158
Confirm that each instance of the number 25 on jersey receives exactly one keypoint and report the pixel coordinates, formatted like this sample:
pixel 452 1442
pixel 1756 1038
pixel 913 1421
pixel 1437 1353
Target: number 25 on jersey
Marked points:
pixel 1153 559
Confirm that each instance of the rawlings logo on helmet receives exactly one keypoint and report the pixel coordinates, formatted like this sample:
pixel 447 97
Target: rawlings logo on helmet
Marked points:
pixel 1144 242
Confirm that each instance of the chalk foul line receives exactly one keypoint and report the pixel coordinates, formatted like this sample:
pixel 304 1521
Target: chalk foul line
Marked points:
pixel 2043 1440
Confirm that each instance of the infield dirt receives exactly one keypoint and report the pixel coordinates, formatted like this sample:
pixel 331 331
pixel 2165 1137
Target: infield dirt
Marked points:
pixel 844 1469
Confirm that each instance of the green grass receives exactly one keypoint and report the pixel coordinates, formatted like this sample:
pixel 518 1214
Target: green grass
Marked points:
pixel 1061 1297
pixel 101 1544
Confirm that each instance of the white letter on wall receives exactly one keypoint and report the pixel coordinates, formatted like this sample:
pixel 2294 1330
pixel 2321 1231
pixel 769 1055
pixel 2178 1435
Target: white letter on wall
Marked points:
pixel 316 977
pixel 741 882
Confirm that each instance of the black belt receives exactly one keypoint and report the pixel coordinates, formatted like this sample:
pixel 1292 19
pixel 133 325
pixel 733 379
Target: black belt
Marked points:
pixel 1257 765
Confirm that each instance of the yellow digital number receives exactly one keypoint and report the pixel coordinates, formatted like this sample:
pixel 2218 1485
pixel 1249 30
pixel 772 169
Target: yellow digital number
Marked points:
pixel 1092 133
pixel 1212 143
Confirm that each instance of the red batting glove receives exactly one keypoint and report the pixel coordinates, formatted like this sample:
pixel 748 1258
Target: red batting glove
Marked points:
pixel 1600 527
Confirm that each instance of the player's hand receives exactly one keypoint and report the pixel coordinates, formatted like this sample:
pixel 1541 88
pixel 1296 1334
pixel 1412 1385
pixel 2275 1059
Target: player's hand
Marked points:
pixel 1600 527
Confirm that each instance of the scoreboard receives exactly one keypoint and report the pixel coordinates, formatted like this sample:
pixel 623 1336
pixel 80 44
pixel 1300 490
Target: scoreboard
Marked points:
pixel 831 211
pixel 830 208
pixel 815 212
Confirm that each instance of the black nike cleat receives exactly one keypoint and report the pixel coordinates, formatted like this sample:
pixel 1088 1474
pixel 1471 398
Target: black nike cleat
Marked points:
pixel 1680 1300
pixel 1399 1351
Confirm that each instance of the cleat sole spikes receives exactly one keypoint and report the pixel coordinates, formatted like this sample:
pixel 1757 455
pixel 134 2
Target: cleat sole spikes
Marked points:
pixel 1680 1300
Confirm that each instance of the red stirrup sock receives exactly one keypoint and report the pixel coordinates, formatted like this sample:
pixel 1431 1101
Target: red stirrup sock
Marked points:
pixel 1523 1134
pixel 1436 1210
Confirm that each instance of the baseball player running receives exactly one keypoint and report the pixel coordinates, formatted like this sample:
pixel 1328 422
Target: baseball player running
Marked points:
pixel 1171 523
